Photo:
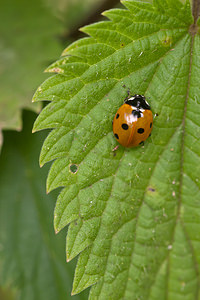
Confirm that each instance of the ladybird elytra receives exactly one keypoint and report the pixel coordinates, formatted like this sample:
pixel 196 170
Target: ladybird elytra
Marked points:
pixel 133 122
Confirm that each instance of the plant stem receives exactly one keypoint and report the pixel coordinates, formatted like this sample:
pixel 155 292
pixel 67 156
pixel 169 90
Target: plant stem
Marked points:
pixel 195 10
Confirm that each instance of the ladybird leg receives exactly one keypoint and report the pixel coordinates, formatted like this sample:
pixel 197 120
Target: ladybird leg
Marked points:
pixel 141 143
pixel 116 147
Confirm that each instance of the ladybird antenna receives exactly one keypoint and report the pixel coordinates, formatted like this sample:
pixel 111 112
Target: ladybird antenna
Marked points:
pixel 129 93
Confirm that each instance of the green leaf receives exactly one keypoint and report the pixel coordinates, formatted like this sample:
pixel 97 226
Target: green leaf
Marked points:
pixel 133 213
pixel 31 256
pixel 27 46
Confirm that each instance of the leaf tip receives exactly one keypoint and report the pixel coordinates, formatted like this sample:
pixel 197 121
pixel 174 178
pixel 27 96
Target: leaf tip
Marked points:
pixel 41 164
pixel 34 129
pixel 75 291
pixel 82 29
pixel 56 227
pixel 104 13
pixel 68 259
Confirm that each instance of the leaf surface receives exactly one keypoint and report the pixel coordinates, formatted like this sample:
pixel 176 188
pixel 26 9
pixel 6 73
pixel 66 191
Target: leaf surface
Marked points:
pixel 132 213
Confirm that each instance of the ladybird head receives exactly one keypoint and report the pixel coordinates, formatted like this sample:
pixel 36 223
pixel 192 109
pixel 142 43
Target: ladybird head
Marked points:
pixel 138 101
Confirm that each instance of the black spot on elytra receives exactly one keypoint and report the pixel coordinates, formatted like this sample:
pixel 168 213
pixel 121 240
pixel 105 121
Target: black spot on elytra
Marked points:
pixel 116 135
pixel 140 130
pixel 150 125
pixel 125 126
pixel 117 116
pixel 136 113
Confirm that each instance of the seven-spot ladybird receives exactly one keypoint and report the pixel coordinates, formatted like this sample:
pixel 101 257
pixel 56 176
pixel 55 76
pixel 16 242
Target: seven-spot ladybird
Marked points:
pixel 133 122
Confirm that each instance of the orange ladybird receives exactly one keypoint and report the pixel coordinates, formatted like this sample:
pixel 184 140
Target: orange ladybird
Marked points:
pixel 133 122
